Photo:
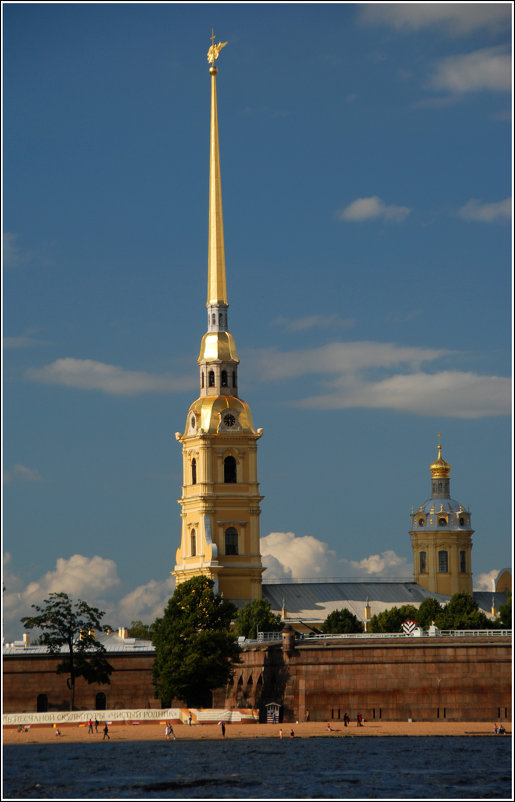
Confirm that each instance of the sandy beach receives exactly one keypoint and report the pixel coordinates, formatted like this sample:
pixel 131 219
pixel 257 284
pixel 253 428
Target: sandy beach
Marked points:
pixel 73 733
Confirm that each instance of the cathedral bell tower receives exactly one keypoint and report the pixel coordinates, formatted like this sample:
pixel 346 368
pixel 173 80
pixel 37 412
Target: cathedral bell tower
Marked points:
pixel 441 537
pixel 220 491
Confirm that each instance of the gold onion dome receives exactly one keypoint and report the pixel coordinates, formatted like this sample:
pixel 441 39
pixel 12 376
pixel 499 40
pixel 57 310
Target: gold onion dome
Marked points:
pixel 440 468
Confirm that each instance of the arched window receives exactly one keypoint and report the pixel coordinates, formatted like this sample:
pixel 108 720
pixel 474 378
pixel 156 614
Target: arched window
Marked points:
pixel 211 378
pixel 443 562
pixel 193 471
pixel 202 379
pixel 42 703
pixel 100 701
pixel 224 378
pixel 442 522
pixel 193 543
pixel 231 540
pixel 462 521
pixel 422 562
pixel 421 522
pixel 463 562
pixel 213 318
pixel 229 470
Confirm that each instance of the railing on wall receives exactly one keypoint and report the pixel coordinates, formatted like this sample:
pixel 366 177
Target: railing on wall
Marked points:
pixel 270 637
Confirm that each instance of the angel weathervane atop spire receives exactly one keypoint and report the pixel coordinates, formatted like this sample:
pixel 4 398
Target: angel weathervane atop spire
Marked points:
pixel 214 50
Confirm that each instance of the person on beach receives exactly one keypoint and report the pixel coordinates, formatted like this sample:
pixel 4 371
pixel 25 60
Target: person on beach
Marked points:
pixel 96 725
pixel 189 720
pixel 329 728
pixel 495 729
pixel 292 734
pixel 57 731
pixel 360 718
pixel 502 731
pixel 346 719
pixel 167 732
pixel 90 727
pixel 171 732
pixel 280 733
pixel 106 733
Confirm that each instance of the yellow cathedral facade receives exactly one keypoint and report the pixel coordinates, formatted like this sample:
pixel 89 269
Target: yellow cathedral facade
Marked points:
pixel 220 491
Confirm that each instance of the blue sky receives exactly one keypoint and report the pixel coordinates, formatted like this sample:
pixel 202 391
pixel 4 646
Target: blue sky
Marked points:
pixel 366 175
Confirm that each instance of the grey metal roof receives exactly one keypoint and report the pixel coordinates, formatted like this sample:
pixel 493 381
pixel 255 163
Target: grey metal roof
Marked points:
pixel 314 601
pixel 113 644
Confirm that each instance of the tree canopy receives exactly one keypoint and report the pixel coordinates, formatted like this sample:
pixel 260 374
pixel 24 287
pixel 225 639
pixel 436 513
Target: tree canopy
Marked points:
pixel 72 624
pixel 195 650
pixel 462 612
pixel 505 612
pixel 140 630
pixel 256 616
pixel 391 620
pixel 341 622
pixel 428 612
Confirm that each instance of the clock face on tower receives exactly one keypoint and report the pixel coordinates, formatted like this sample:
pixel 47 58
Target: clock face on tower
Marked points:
pixel 229 420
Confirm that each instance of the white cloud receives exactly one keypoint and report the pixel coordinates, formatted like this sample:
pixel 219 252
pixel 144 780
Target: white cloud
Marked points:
pixel 451 18
pixel 285 555
pixel 486 69
pixel 341 358
pixel 92 578
pixel 386 564
pixel 474 210
pixel 372 208
pixel 146 602
pixel 486 581
pixel 87 374
pixel 450 394
pixel 21 474
pixel 313 322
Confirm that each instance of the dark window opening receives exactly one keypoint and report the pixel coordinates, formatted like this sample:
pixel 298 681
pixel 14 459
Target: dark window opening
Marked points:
pixel 463 562
pixel 193 471
pixel 211 378
pixel 100 701
pixel 423 563
pixel 213 319
pixel 202 379
pixel 230 470
pixel 443 562
pixel 224 378
pixel 421 522
pixel 42 703
pixel 234 378
pixel 193 543
pixel 231 541
pixel 442 522
pixel 462 521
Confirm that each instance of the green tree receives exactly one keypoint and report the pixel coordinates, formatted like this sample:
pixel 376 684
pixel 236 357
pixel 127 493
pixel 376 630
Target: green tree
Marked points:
pixel 195 650
pixel 428 611
pixel 256 616
pixel 341 622
pixel 462 612
pixel 391 620
pixel 505 612
pixel 68 628
pixel 140 630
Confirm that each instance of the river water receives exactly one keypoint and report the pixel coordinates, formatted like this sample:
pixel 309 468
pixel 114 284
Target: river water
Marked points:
pixel 264 768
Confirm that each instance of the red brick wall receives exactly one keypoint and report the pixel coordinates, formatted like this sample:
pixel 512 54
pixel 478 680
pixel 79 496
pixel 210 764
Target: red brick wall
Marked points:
pixel 468 679
pixel 27 676
pixel 419 678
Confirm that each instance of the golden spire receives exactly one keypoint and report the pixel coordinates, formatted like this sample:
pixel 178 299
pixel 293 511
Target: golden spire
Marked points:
pixel 439 468
pixel 216 283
